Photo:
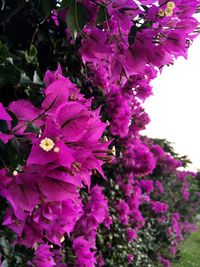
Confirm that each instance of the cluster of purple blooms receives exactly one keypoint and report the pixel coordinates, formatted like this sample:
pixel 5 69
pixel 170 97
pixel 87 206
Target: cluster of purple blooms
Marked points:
pixel 147 188
pixel 124 53
pixel 44 194
pixel 160 33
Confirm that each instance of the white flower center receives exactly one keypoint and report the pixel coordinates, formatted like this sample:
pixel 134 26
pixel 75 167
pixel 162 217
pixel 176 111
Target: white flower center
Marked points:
pixel 47 144
pixel 171 5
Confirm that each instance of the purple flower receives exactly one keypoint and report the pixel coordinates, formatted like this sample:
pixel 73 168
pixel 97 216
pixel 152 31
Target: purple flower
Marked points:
pixel 130 258
pixel 96 40
pixel 131 234
pixel 24 112
pixel 147 185
pixel 43 257
pixel 122 12
pixel 159 207
pixel 44 196
pixel 84 256
pixel 52 76
pixel 119 110
pixel 50 148
pixel 94 214
pixel 160 187
pixel 100 261
pixel 176 226
pixel 157 151
pixel 137 158
pixel 164 261
pixel 123 212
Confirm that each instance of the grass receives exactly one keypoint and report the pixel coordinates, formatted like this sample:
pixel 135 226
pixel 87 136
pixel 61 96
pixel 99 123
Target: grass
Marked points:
pixel 190 251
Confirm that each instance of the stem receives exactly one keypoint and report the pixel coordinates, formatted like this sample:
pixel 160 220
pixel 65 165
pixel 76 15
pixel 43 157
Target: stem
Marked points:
pixel 120 34
pixel 106 19
pixel 34 34
pixel 97 4
pixel 76 17
pixel 35 119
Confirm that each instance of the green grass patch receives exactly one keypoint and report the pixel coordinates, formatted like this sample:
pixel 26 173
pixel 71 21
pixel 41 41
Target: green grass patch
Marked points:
pixel 190 251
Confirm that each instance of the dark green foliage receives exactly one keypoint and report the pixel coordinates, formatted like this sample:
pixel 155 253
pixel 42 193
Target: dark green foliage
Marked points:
pixel 102 15
pixel 14 256
pixel 76 18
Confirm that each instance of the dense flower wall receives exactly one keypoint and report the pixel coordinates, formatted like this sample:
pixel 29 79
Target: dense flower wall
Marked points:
pixel 79 185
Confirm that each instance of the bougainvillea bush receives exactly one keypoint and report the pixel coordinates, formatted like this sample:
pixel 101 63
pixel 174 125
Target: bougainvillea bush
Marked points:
pixel 79 184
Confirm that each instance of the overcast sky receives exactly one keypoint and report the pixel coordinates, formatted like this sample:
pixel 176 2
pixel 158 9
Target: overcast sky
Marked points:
pixel 175 107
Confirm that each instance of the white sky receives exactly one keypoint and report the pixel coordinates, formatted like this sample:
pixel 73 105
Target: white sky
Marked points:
pixel 175 107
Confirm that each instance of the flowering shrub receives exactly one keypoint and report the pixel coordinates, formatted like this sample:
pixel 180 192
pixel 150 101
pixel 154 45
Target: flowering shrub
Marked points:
pixel 150 214
pixel 79 185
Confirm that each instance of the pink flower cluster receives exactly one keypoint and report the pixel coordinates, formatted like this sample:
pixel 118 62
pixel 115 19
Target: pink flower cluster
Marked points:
pixel 44 194
pixel 138 189
pixel 130 45
pixel 137 158
pixel 94 214
pixel 128 208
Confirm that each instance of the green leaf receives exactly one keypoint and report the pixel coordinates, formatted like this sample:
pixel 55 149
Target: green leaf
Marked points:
pixel 31 55
pixel 32 128
pixel 14 121
pixel 3 52
pixel 2 148
pixel 3 126
pixel 36 78
pixel 132 34
pixel 76 18
pixel 24 79
pixel 146 25
pixel 64 4
pixel 10 60
pixel 3 78
pixel 12 153
pixel 36 97
pixel 102 15
pixel 9 75
pixel 47 6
